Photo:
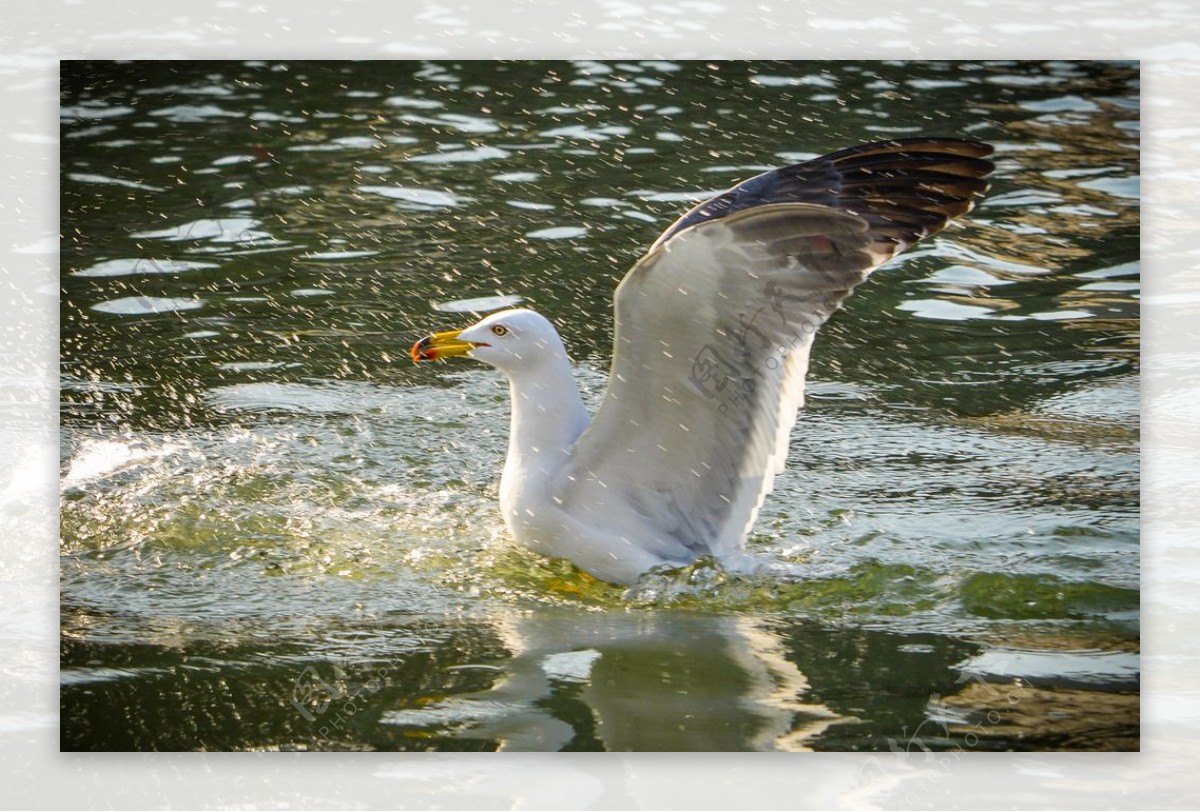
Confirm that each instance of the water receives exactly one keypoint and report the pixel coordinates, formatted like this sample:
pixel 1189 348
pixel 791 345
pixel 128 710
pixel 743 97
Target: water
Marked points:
pixel 278 533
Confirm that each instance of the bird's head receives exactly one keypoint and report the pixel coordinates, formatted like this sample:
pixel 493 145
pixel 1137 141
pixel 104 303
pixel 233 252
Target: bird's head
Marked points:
pixel 509 340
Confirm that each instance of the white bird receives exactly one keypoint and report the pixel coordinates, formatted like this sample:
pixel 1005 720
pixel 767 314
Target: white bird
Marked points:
pixel 713 331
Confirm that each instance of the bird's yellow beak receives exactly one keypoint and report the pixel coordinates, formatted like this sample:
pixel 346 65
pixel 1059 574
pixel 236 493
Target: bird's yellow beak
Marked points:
pixel 441 345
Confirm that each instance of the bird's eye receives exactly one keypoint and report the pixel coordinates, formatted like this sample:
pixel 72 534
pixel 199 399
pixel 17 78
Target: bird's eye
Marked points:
pixel 499 330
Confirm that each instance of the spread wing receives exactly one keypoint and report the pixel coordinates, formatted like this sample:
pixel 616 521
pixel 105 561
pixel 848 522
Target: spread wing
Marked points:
pixel 713 331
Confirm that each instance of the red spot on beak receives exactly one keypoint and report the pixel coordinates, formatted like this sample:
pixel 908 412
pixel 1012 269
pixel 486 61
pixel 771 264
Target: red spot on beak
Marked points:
pixel 424 350
pixel 441 345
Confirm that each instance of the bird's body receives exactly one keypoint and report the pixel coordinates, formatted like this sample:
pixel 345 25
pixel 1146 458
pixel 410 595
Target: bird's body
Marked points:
pixel 713 331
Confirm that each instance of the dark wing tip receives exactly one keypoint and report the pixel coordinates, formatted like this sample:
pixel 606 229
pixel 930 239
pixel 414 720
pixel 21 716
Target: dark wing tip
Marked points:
pixel 931 180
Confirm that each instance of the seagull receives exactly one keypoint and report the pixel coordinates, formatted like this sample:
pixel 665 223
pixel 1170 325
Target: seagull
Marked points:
pixel 713 328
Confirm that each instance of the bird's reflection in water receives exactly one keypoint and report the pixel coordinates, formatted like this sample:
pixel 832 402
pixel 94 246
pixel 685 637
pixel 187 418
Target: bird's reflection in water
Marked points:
pixel 665 682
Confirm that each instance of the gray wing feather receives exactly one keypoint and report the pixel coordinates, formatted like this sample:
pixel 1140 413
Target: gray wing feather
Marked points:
pixel 704 391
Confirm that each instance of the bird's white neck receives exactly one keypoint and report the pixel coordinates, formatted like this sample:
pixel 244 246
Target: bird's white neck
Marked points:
pixel 548 416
